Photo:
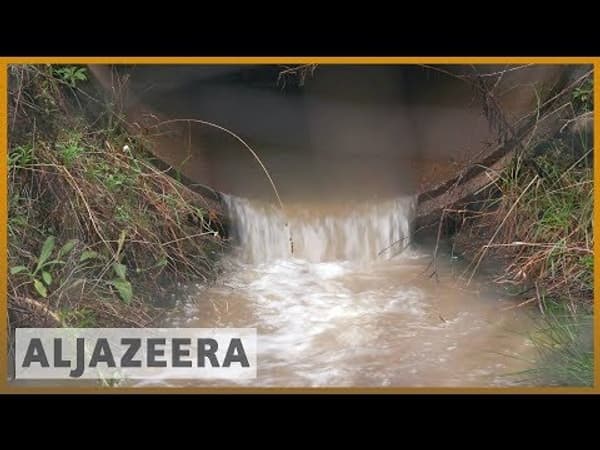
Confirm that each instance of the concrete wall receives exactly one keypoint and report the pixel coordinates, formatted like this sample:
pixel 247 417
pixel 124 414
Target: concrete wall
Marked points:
pixel 409 117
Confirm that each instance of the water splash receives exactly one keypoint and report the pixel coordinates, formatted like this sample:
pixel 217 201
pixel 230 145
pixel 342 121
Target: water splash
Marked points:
pixel 363 233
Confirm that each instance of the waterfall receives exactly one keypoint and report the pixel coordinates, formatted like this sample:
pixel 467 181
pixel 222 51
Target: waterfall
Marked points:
pixel 360 232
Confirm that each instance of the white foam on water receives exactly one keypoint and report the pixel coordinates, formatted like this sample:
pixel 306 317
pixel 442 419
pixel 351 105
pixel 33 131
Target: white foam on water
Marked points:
pixel 345 308
pixel 366 232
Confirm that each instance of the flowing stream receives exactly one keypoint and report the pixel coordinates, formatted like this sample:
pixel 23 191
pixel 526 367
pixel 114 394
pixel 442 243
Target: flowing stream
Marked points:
pixel 356 303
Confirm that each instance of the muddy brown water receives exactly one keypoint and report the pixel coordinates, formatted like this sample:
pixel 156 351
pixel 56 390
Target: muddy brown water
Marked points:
pixel 337 314
pixel 355 303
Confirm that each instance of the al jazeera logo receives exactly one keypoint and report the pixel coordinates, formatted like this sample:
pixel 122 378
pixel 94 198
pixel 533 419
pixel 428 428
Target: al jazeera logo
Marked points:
pixel 135 353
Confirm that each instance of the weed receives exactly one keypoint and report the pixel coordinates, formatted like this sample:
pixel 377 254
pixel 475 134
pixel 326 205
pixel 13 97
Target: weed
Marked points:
pixel 583 96
pixel 540 215
pixel 71 75
pixel 88 178
pixel 121 214
pixel 72 149
pixel 20 156
pixel 40 274
pixel 78 317
pixel 538 211
pixel 563 342
pixel 121 283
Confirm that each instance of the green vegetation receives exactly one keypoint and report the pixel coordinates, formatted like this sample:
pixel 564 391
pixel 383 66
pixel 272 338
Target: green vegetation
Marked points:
pixel 536 219
pixel 97 235
pixel 542 222
pixel 70 75
pixel 41 272
pixel 565 351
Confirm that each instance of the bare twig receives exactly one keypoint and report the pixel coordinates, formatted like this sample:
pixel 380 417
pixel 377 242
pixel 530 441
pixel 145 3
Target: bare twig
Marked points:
pixel 41 308
pixel 512 208
pixel 231 133
pixel 254 154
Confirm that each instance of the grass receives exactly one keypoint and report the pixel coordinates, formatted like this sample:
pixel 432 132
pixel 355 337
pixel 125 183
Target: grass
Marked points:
pixel 564 348
pixel 80 180
pixel 78 177
pixel 536 217
pixel 534 223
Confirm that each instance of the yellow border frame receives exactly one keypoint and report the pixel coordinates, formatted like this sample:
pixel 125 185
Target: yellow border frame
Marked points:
pixel 5 61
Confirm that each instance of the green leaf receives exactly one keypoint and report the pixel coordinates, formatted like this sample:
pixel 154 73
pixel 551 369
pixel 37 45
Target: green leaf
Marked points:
pixel 40 288
pixel 124 288
pixel 81 74
pixel 121 242
pixel 49 263
pixel 88 254
pixel 47 278
pixel 46 251
pixel 120 270
pixel 17 269
pixel 67 248
pixel 162 262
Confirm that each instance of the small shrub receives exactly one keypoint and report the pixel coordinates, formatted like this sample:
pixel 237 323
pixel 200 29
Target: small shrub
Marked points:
pixel 71 75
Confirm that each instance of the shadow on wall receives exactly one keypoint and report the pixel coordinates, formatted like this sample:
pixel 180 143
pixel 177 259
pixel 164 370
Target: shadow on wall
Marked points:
pixel 346 126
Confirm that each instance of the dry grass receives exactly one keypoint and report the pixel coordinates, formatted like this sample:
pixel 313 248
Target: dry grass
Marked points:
pixel 538 222
pixel 76 174
pixel 533 227
pixel 535 216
